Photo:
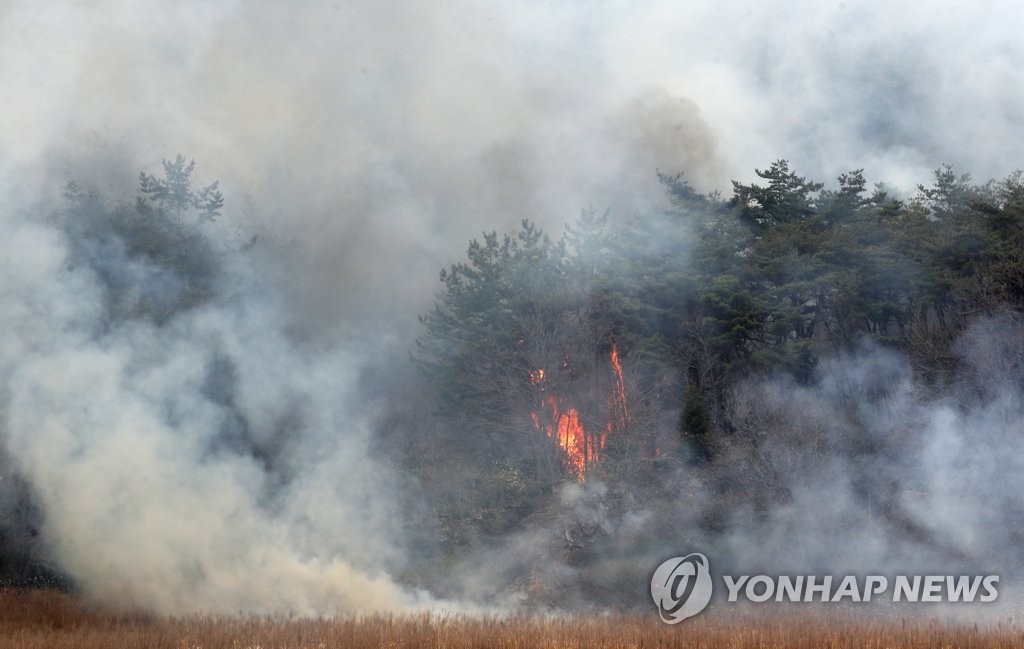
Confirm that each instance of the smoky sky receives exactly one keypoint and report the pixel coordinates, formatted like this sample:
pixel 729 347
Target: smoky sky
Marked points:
pixel 362 144
pixel 368 141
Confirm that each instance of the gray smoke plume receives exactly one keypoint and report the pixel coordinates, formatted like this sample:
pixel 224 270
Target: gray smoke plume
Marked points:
pixel 865 470
pixel 185 456
pixel 870 470
pixel 216 456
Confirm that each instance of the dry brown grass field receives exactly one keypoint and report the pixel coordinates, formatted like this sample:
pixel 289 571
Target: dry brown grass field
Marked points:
pixel 48 619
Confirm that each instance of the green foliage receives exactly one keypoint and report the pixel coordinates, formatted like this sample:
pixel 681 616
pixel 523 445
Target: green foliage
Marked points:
pixel 492 309
pixel 1002 257
pixel 152 262
pixel 174 193
pixel 695 424
pixel 787 198
pixel 710 292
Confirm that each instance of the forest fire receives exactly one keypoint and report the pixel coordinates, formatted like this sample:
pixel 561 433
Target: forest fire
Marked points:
pixel 618 396
pixel 563 423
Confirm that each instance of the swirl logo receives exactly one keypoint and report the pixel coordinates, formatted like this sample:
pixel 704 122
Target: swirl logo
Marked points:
pixel 681 587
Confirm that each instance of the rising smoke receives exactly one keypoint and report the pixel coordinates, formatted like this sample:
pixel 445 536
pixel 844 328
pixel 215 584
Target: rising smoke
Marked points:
pixel 185 455
pixel 216 454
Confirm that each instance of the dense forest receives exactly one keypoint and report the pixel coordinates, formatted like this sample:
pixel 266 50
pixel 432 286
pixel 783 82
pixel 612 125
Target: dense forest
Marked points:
pixel 596 396
pixel 726 352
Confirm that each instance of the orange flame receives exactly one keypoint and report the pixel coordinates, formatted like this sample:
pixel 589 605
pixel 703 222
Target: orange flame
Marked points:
pixel 563 424
pixel 618 397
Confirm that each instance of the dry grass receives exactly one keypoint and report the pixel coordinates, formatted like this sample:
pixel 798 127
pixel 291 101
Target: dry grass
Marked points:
pixel 50 619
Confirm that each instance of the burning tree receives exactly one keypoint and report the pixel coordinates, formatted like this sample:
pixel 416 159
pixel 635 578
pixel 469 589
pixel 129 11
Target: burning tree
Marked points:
pixel 581 443
pixel 529 373
pixel 516 346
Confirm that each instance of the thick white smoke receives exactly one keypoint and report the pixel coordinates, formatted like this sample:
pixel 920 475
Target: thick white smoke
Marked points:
pixel 872 470
pixel 218 459
pixel 200 463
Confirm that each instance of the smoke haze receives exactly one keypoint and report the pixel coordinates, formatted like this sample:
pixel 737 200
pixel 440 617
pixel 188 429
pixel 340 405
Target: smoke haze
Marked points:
pixel 381 135
pixel 220 459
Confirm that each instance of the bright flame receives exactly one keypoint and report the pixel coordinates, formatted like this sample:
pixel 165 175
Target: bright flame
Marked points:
pixel 563 424
pixel 618 397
